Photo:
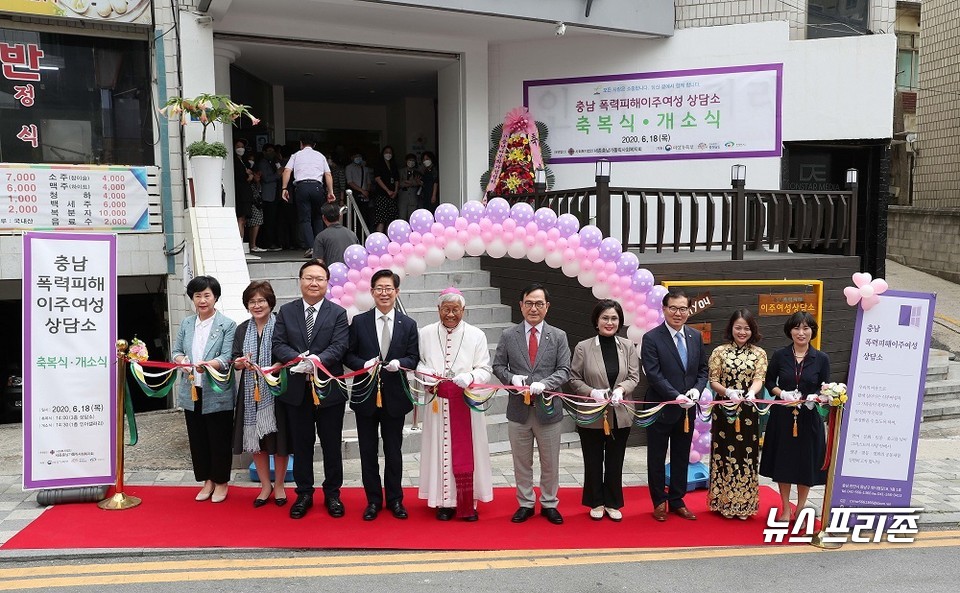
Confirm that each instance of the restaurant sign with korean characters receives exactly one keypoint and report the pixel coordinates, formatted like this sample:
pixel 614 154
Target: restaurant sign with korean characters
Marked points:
pixel 113 11
pixel 705 113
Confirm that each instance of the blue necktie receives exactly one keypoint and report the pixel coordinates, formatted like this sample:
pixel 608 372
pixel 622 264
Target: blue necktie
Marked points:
pixel 681 348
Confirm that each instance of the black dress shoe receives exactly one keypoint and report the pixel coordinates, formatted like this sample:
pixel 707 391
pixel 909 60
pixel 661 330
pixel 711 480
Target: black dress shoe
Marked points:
pixel 552 515
pixel 301 506
pixel 334 507
pixel 259 502
pixel 522 514
pixel 445 514
pixel 370 513
pixel 398 510
pixel 280 501
pixel 471 518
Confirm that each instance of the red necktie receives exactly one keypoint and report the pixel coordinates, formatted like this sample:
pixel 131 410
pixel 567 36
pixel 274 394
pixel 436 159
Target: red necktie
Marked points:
pixel 532 348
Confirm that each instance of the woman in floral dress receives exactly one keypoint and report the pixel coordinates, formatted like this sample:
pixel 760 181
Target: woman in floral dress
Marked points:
pixel 737 370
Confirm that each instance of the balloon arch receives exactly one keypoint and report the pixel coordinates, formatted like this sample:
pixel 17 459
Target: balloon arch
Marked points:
pixel 520 232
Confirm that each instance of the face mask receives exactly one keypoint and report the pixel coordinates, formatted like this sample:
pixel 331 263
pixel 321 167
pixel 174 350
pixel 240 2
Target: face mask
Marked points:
pixel 357 161
pixel 387 156
pixel 239 151
pixel 411 164
pixel 427 163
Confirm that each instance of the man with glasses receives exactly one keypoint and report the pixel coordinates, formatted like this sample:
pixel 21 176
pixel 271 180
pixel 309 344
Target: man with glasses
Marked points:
pixel 312 325
pixel 675 363
pixel 534 356
pixel 385 335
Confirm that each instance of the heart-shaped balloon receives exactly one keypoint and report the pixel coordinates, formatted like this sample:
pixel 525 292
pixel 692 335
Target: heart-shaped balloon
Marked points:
pixel 866 290
pixel 868 302
pixel 861 279
pixel 880 286
pixel 852 294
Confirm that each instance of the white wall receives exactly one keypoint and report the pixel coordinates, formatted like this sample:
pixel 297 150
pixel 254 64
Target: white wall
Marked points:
pixel 840 88
pixel 341 116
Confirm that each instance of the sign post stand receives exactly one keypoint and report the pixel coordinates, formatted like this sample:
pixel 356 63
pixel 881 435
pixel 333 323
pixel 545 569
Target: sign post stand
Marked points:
pixel 120 501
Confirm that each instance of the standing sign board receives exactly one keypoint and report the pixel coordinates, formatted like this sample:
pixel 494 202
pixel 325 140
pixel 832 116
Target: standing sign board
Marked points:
pixel 881 423
pixel 69 359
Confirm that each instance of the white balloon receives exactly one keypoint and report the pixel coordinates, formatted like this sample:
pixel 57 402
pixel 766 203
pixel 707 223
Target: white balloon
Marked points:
pixel 434 257
pixel 571 269
pixel 628 317
pixel 587 278
pixel 537 253
pixel 475 246
pixel 454 250
pixel 601 291
pixel 635 334
pixel 399 271
pixel 517 250
pixel 554 259
pixel 363 300
pixel 351 311
pixel 415 265
pixel 496 248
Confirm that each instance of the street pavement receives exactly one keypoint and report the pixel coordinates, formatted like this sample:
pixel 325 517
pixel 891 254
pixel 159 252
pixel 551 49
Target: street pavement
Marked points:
pixel 162 457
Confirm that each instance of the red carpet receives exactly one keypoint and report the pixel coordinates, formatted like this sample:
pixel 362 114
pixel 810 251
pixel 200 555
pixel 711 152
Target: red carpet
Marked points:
pixel 170 518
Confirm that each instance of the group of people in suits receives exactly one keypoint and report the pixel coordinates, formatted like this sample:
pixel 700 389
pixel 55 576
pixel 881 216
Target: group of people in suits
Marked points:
pixel 449 357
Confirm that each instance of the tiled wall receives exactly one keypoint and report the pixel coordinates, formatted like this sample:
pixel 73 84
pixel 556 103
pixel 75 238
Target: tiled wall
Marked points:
pixel 926 239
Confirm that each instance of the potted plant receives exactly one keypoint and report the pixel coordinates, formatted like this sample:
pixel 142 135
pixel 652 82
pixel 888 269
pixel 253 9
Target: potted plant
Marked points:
pixel 207 158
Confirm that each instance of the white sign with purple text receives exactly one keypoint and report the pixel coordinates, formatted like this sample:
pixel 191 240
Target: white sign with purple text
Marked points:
pixel 881 422
pixel 69 359
pixel 722 112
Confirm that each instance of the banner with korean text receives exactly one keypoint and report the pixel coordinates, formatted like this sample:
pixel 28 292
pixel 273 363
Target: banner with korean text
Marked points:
pixel 684 114
pixel 113 11
pixel 68 197
pixel 881 422
pixel 69 359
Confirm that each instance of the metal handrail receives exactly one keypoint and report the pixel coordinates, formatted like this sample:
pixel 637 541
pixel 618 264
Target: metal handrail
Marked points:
pixel 358 225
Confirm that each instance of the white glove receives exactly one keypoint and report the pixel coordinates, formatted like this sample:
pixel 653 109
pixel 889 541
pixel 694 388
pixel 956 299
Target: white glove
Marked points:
pixel 751 396
pixel 393 366
pixel 617 396
pixel 371 364
pixel 824 399
pixel 518 380
pixel 186 370
pixel 598 394
pixel 536 388
pixel 686 402
pixel 735 395
pixel 423 373
pixel 304 366
pixel 463 380
pixel 789 396
pixel 812 400
pixel 694 395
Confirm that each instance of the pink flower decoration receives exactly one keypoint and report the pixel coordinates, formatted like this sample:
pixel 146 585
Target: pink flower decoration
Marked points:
pixel 865 291
pixel 519 120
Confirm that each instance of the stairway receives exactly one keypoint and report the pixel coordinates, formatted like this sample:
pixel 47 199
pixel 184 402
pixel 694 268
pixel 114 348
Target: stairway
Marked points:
pixel 418 296
pixel 940 400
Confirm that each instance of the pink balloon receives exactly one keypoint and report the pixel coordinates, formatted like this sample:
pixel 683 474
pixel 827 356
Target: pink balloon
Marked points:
pixel 507 236
pixel 866 291
pixel 569 255
pixel 419 250
pixel 694 457
pixel 474 228
pixel 615 291
pixel 487 236
pixel 450 233
pixel 461 224
pixel 880 285
pixel 400 260
pixel 349 287
pixel 437 228
pixel 406 248
pixel 496 229
pixel 415 238
pixel 532 227
pixel 485 224
pixel 440 242
pixel 868 302
pixel 573 240
pixel 541 237
pixel 641 310
pixel 653 316
pixel 561 243
pixel 463 236
pixel 373 261
pixel 626 282
pixel 365 275
pixel 593 254
pixel 530 241
pixel 580 251
pixel 852 295
pixel 346 300
pixel 336 291
pixel 393 248
pixel 601 277
pixel 611 267
pixel 553 234
pixel 428 239
pixel 353 276
pixel 599 266
pixel 551 246
pixel 861 279
pixel 509 225
pixel 386 261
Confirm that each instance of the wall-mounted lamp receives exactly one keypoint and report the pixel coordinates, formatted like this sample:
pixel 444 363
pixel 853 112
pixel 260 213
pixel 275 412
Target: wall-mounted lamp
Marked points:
pixel 851 176
pixel 539 181
pixel 738 175
pixel 603 170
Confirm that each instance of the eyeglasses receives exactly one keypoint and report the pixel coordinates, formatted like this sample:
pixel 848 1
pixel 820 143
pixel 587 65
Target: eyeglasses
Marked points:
pixel 383 289
pixel 312 279
pixel 451 310
pixel 680 310
pixel 535 304
pixel 257 303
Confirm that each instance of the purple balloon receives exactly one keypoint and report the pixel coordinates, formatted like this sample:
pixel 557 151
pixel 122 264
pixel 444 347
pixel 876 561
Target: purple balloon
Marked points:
pixel 655 297
pixel 355 257
pixel 545 218
pixel 399 231
pixel 472 211
pixel 627 264
pixel 446 214
pixel 590 237
pixel 568 225
pixel 421 220
pixel 610 249
pixel 522 212
pixel 376 244
pixel 642 281
pixel 338 273
pixel 498 210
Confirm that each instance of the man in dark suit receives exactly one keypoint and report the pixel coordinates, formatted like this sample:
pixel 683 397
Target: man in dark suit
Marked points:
pixel 536 355
pixel 311 325
pixel 675 363
pixel 387 335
